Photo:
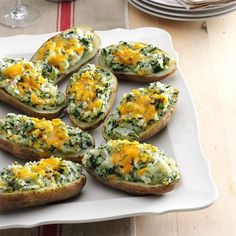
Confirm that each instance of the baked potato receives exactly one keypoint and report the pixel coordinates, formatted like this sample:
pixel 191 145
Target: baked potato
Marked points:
pixel 91 94
pixel 23 86
pixel 32 138
pixel 137 61
pixel 66 52
pixel 132 167
pixel 38 183
pixel 141 113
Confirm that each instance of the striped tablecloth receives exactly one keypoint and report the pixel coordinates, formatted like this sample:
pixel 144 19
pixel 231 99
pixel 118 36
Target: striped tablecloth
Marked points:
pixel 100 15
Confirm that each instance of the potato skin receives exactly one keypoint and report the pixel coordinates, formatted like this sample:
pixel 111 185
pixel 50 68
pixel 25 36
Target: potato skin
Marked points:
pixel 143 78
pixel 152 129
pixel 156 127
pixel 30 111
pixel 29 154
pixel 94 125
pixel 134 188
pixel 22 199
pixel 77 66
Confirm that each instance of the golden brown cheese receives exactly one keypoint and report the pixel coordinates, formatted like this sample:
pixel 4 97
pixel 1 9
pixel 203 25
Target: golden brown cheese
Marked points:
pixel 36 100
pixel 140 172
pixel 14 70
pixel 142 106
pixel 53 132
pixel 129 56
pixel 126 155
pixel 28 83
pixel 58 51
pixel 34 171
pixel 85 90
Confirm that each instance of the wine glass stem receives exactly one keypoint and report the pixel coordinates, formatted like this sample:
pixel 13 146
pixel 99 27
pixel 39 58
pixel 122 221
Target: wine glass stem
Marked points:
pixel 19 11
pixel 18 3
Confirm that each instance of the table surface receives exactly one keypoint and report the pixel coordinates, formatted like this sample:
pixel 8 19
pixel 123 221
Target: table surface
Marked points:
pixel 206 52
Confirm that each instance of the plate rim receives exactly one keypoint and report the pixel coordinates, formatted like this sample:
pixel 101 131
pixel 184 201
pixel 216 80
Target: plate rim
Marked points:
pixel 177 4
pixel 182 8
pixel 178 18
pixel 188 14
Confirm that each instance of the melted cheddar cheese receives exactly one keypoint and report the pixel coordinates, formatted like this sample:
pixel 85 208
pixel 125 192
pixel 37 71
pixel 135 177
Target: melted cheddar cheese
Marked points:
pixel 135 57
pixel 24 81
pixel 143 106
pixel 58 50
pixel 53 133
pixel 45 137
pixel 89 93
pixel 45 133
pixel 127 154
pixel 129 55
pixel 51 172
pixel 28 74
pixel 40 169
pixel 85 89
pixel 14 70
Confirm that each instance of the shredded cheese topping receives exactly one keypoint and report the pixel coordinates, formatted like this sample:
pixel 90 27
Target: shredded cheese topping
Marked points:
pixel 143 105
pixel 47 173
pixel 37 170
pixel 135 57
pixel 127 154
pixel 85 88
pixel 14 70
pixel 52 132
pixel 58 50
pixel 24 81
pixel 28 83
pixel 131 162
pixel 129 56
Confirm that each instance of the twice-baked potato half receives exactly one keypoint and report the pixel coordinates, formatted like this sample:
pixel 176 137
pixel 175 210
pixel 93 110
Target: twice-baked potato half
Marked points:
pixel 38 183
pixel 32 138
pixel 137 61
pixel 132 167
pixel 23 86
pixel 66 52
pixel 91 94
pixel 141 113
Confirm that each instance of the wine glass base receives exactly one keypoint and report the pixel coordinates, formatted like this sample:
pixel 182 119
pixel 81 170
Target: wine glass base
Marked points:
pixel 19 17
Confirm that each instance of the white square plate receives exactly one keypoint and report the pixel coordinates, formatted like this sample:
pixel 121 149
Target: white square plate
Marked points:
pixel 180 140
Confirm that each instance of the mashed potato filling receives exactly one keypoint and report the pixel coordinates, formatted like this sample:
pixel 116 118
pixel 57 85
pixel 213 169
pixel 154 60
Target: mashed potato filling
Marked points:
pixel 132 162
pixel 46 173
pixel 47 137
pixel 24 81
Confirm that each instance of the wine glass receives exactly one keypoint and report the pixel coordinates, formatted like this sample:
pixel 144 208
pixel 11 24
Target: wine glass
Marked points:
pixel 19 15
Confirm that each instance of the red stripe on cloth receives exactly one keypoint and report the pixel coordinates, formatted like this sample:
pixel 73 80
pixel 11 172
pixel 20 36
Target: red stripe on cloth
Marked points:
pixel 66 8
pixel 48 230
pixel 58 16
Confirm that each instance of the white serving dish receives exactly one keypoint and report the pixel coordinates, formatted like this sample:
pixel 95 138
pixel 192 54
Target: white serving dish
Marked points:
pixel 180 140
pixel 184 14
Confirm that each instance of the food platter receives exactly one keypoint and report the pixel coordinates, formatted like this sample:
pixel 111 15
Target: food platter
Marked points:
pixel 180 140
